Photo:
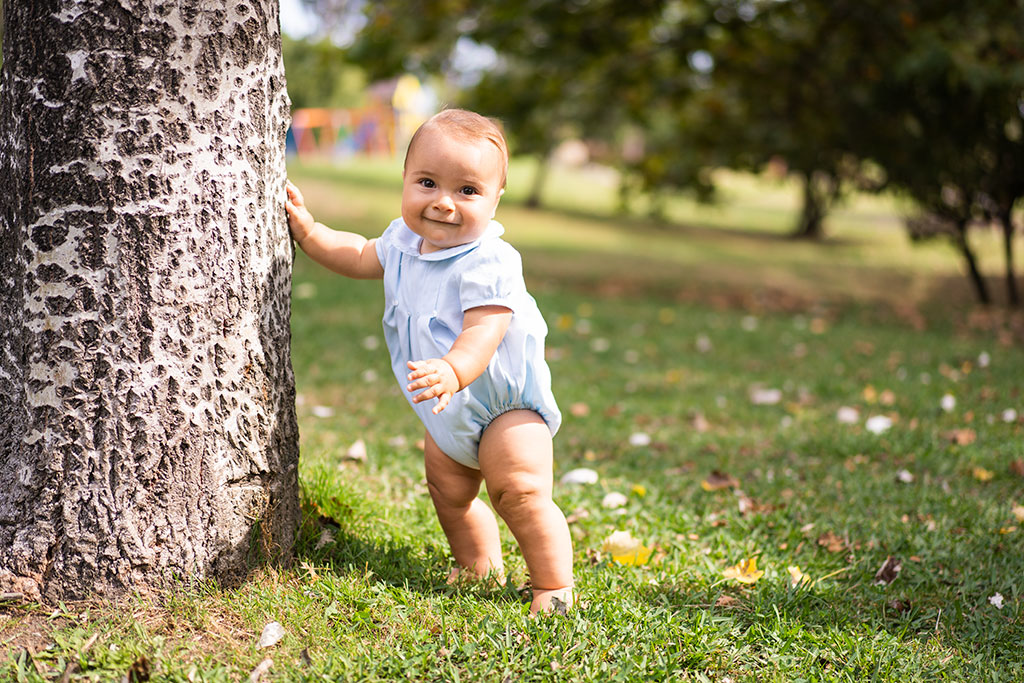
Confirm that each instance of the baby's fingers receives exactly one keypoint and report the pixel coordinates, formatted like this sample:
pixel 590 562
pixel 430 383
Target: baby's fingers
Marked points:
pixel 427 394
pixel 293 193
pixel 423 382
pixel 442 402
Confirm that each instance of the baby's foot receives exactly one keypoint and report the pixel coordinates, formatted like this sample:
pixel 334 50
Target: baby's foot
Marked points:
pixel 551 601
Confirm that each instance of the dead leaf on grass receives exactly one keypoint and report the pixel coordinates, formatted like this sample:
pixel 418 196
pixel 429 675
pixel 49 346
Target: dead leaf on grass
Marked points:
pixel 832 543
pixel 717 480
pixel 745 571
pixel 625 549
pixel 576 515
pixel 579 409
pixel 725 601
pixel 981 474
pixel 1017 468
pixel 961 437
pixel 796 576
pixel 888 572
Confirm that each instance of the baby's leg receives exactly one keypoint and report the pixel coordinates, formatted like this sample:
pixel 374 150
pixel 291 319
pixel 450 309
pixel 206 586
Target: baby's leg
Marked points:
pixel 467 521
pixel 516 462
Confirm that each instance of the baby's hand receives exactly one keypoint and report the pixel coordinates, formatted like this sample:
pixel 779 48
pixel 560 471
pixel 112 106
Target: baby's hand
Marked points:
pixel 437 378
pixel 300 220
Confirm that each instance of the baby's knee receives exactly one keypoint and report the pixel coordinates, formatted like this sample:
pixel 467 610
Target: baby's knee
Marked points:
pixel 519 501
pixel 451 496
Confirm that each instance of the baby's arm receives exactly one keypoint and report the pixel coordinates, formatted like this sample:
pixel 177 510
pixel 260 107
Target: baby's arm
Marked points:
pixel 483 328
pixel 343 252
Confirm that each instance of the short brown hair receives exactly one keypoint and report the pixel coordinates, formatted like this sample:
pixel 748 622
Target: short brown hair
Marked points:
pixel 468 126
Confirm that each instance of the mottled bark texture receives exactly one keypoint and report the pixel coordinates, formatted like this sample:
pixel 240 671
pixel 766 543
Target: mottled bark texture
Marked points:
pixel 147 425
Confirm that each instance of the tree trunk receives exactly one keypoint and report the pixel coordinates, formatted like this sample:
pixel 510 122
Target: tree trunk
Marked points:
pixel 1012 294
pixel 820 190
pixel 539 177
pixel 960 239
pixel 146 391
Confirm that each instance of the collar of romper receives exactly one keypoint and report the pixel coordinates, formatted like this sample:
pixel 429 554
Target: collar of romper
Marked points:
pixel 408 242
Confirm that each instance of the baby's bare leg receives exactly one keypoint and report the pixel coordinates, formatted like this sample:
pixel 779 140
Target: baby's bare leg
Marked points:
pixel 516 462
pixel 466 520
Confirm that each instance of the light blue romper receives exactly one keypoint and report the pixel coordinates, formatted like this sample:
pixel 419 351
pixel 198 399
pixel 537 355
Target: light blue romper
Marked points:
pixel 425 296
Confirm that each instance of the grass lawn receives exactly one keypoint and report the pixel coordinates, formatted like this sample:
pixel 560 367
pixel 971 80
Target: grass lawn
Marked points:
pixel 676 352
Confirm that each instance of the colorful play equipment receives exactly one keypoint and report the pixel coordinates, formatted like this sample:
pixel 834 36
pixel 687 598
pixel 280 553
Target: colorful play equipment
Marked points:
pixel 382 127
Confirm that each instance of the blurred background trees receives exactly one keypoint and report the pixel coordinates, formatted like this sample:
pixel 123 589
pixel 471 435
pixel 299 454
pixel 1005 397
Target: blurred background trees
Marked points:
pixel 923 99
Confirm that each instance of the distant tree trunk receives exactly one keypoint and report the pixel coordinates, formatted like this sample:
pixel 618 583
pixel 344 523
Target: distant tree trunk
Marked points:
pixel 539 178
pixel 1012 293
pixel 146 391
pixel 960 240
pixel 819 191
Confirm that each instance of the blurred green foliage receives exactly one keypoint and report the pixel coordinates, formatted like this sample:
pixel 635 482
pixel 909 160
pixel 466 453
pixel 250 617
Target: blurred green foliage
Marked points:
pixel 921 97
pixel 321 75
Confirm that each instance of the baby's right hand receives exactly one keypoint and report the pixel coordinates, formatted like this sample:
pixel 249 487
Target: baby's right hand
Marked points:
pixel 300 220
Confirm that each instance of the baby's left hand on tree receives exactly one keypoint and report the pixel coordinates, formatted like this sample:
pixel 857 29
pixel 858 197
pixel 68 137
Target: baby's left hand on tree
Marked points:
pixel 437 379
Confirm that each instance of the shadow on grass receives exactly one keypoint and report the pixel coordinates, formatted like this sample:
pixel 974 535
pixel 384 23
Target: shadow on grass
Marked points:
pixel 422 570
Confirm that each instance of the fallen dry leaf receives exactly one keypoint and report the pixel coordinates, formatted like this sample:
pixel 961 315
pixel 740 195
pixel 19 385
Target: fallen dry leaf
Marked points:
pixel 625 549
pixel 579 409
pixel 725 601
pixel 888 572
pixel 961 437
pixel 981 474
pixel 1018 512
pixel 700 423
pixel 717 480
pixel 1017 468
pixel 745 571
pixel 576 515
pixel 832 543
pixel 797 577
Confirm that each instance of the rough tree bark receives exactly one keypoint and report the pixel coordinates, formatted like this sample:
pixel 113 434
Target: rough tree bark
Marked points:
pixel 147 425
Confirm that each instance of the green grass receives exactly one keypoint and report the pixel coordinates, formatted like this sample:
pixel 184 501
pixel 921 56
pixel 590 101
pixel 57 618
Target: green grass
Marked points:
pixel 366 599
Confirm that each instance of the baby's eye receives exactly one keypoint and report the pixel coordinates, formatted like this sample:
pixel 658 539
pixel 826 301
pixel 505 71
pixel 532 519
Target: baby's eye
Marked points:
pixel 427 182
pixel 468 189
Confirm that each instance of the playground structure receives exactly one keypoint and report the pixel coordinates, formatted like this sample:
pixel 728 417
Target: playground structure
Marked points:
pixel 382 127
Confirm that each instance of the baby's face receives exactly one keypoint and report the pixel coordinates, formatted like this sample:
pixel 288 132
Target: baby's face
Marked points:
pixel 450 189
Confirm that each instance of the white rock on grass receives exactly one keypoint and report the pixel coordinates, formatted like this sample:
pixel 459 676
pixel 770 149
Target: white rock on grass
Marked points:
pixel 640 439
pixel 580 475
pixel 614 500
pixel 847 415
pixel 877 424
pixel 272 634
pixel 322 411
pixel 760 396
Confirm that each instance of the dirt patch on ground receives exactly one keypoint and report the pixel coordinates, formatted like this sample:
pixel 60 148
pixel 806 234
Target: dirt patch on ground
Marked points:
pixel 24 630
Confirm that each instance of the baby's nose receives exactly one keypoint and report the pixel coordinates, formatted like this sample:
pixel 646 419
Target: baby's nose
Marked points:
pixel 445 203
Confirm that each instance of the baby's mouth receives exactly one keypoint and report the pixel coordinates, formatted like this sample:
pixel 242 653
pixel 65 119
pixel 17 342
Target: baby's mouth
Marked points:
pixel 449 224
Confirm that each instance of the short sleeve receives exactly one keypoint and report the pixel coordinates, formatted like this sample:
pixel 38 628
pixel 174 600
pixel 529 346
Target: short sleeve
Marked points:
pixel 492 278
pixel 383 245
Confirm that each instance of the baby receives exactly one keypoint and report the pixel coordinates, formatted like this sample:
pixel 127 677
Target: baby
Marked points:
pixel 467 344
